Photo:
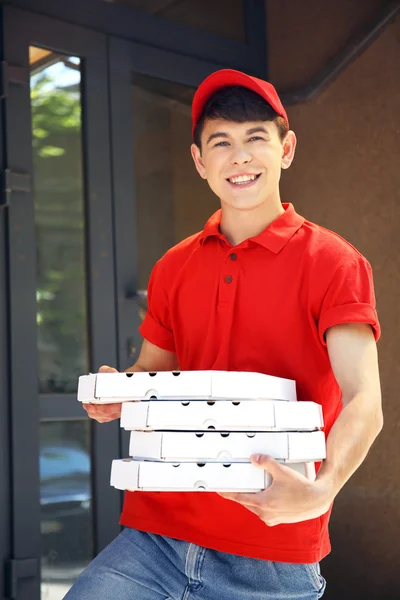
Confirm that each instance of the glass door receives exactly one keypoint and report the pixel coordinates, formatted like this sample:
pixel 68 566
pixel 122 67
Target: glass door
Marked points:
pixel 159 197
pixel 151 94
pixel 61 300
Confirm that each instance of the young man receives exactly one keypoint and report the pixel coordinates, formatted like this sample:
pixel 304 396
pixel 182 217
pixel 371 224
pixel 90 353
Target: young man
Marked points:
pixel 259 289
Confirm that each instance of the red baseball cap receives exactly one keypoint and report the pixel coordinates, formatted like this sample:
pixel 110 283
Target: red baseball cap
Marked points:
pixel 229 77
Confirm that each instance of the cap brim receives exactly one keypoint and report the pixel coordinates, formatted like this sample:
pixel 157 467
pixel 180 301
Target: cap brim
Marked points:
pixel 225 78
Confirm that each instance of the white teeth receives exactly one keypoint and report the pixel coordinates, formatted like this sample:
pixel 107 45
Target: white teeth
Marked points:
pixel 242 179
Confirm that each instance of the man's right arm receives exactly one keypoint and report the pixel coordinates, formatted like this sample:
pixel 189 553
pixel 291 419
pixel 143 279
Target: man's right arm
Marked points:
pixel 151 358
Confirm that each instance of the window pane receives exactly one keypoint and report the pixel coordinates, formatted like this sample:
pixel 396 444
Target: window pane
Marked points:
pixel 224 18
pixel 66 504
pixel 172 200
pixel 59 216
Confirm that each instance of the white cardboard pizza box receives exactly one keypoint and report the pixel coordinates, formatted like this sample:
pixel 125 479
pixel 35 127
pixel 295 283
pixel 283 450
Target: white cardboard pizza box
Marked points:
pixel 252 386
pixel 118 387
pixel 128 474
pixel 208 446
pixel 249 415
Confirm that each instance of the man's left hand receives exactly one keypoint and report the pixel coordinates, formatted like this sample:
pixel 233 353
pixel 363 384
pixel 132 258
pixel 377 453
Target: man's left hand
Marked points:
pixel 290 498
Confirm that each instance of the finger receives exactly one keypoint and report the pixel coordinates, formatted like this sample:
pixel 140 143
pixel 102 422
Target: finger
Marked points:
pixel 98 411
pixel 104 418
pixel 91 408
pixel 106 408
pixel 275 469
pixel 107 369
pixel 229 496
pixel 270 522
pixel 254 510
pixel 267 463
pixel 112 412
pixel 261 513
pixel 109 413
pixel 92 414
pixel 254 500
pixel 102 408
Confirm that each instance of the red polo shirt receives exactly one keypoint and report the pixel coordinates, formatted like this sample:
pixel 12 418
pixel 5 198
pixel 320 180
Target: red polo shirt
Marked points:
pixel 264 306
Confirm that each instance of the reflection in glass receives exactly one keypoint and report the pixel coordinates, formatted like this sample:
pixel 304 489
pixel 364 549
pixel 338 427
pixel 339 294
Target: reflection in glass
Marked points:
pixel 59 215
pixel 172 201
pixel 66 504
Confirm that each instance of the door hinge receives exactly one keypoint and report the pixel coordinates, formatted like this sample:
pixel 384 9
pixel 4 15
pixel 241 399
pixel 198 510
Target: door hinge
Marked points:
pixel 15 182
pixel 12 74
pixel 16 569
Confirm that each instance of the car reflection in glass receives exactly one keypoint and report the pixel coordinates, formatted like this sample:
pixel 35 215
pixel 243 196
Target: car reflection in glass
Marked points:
pixel 65 500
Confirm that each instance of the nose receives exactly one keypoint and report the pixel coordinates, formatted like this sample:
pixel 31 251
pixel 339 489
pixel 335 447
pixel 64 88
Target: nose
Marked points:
pixel 240 156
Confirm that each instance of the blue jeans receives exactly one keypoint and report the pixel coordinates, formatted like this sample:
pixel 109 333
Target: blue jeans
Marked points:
pixel 144 566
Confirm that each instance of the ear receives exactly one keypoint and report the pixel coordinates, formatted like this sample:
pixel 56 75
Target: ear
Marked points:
pixel 198 161
pixel 289 147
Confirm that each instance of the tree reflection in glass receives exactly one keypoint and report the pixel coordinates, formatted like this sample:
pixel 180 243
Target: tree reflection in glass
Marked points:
pixel 59 216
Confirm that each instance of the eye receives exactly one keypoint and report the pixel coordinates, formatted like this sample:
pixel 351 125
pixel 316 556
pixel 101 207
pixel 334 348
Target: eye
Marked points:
pixel 255 138
pixel 221 144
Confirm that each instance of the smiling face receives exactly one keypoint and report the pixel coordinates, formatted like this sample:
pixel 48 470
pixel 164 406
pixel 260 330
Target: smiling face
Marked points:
pixel 242 162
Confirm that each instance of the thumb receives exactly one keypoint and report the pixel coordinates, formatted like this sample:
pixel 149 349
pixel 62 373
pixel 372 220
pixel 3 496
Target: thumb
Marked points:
pixel 267 463
pixel 107 369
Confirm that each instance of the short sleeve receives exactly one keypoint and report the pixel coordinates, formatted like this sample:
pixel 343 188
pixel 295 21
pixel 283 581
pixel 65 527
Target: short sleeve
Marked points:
pixel 350 298
pixel 156 326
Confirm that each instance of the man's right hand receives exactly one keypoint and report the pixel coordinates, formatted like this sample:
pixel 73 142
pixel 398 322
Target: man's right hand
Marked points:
pixel 104 412
pixel 151 358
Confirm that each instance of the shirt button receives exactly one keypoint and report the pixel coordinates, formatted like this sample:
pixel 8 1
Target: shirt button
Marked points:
pixel 228 279
pixel 233 256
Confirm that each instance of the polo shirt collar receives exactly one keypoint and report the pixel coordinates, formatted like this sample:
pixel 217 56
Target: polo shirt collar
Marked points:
pixel 274 237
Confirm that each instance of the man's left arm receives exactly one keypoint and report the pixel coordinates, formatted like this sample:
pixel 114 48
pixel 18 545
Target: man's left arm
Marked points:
pixel 291 497
pixel 353 356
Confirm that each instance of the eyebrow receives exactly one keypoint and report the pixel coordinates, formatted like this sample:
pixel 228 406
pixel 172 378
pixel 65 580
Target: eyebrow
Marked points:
pixel 258 129
pixel 217 134
pixel 251 131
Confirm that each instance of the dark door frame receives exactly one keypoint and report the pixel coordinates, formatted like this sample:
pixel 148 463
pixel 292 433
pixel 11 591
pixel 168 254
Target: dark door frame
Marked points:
pixel 5 474
pixel 129 24
pixel 22 29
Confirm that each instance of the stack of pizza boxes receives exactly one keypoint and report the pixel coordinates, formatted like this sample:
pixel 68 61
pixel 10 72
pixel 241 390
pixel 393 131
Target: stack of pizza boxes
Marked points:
pixel 196 430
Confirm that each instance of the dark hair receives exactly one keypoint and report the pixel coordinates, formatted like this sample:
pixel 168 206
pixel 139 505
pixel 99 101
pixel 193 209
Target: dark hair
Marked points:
pixel 238 104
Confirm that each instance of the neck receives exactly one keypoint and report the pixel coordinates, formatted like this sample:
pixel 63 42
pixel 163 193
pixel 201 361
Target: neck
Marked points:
pixel 240 225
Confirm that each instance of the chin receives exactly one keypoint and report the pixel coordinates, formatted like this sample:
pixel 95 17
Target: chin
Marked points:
pixel 242 204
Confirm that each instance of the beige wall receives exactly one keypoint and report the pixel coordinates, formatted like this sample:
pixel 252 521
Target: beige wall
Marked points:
pixel 172 201
pixel 346 176
pixel 194 203
pixel 153 180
